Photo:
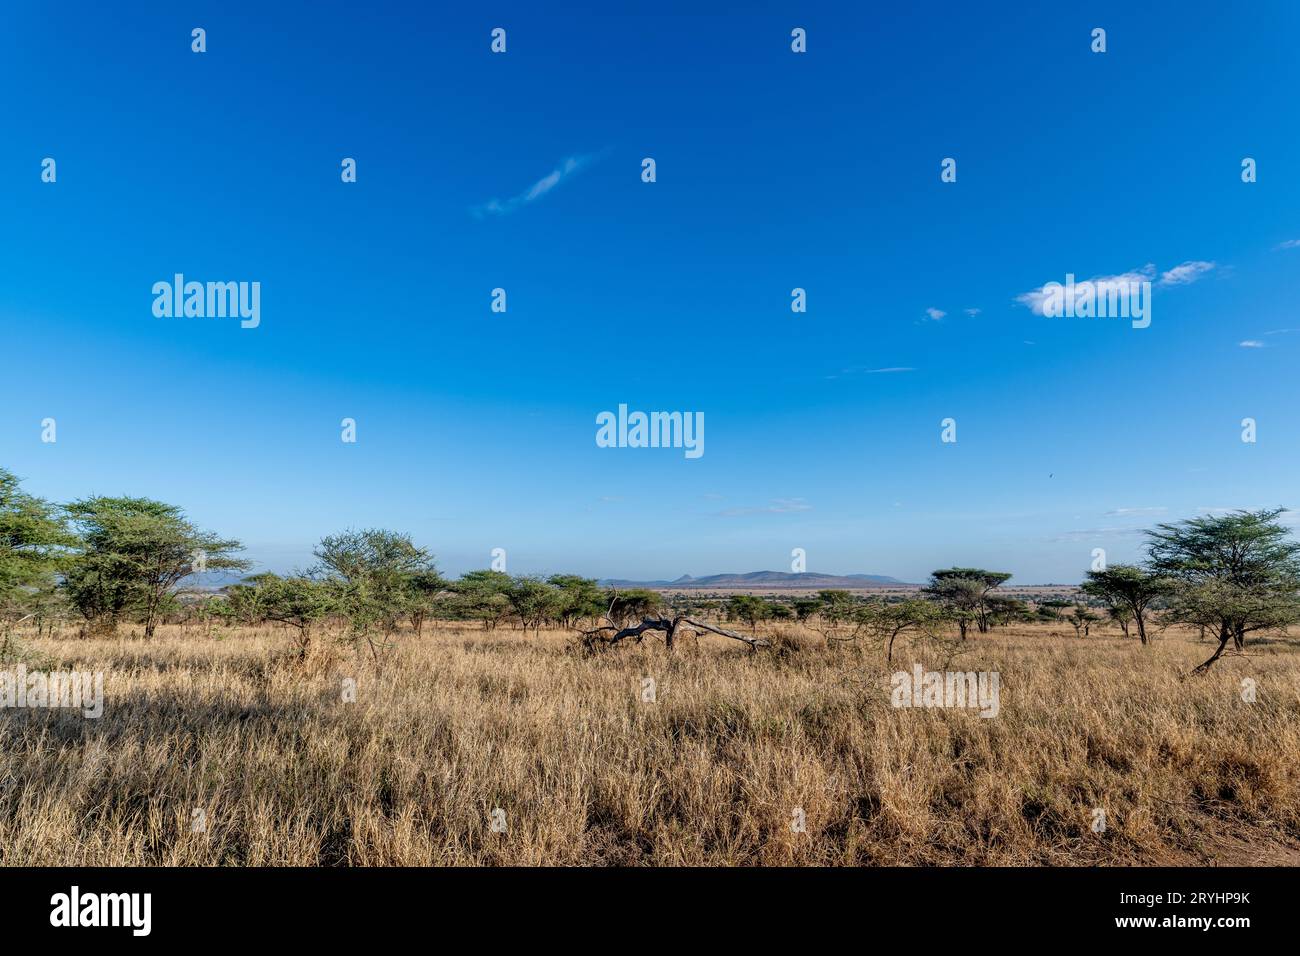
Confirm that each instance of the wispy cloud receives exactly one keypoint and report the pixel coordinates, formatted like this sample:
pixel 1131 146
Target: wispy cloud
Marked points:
pixel 1092 534
pixel 566 170
pixel 842 373
pixel 1289 244
pixel 1186 274
pixel 972 312
pixel 1035 299
pixel 1131 512
pixel 935 314
pixel 1258 344
pixel 779 506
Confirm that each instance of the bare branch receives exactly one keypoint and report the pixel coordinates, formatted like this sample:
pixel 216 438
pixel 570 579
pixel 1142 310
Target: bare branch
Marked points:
pixel 668 625
pixel 751 641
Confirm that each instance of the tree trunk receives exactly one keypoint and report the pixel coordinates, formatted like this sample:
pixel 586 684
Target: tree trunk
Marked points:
pixel 669 627
pixel 1225 633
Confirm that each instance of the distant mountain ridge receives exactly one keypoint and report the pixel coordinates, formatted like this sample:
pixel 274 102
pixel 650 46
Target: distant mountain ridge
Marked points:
pixel 764 579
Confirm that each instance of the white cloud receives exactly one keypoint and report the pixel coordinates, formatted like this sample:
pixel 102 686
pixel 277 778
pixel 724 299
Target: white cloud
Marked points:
pixel 871 371
pixel 566 169
pixel 1129 512
pixel 546 183
pixel 1036 298
pixel 1251 344
pixel 935 314
pixel 1092 534
pixel 1186 274
pixel 1289 244
pixel 972 312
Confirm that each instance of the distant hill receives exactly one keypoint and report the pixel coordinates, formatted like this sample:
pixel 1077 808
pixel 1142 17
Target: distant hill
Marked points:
pixel 765 579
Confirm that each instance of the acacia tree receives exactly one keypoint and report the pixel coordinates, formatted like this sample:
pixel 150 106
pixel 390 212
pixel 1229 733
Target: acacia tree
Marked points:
pixel 424 589
pixel 835 610
pixel 805 608
pixel 748 608
pixel 1082 620
pixel 245 602
pixel 966 592
pixel 533 601
pixel 133 552
pixel 1128 591
pixel 481 595
pixel 779 611
pixel 576 598
pixel 1051 610
pixel 1121 617
pixel 372 570
pixel 297 601
pixel 960 597
pixel 300 602
pixel 33 543
pixel 1004 610
pixel 887 622
pixel 1237 574
pixel 624 607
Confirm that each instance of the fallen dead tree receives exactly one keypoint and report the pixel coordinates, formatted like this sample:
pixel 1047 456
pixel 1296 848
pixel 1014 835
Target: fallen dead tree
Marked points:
pixel 671 627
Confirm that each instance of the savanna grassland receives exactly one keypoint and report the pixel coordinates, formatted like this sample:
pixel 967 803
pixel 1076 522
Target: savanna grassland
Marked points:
pixel 452 725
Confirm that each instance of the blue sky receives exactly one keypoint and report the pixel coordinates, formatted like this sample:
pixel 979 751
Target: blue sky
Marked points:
pixel 775 170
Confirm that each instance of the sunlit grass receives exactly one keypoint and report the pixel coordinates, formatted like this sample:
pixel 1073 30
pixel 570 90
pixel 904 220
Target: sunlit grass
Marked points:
pixel 460 722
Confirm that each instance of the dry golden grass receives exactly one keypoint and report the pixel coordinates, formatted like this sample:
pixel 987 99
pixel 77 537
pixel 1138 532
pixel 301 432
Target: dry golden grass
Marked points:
pixel 460 722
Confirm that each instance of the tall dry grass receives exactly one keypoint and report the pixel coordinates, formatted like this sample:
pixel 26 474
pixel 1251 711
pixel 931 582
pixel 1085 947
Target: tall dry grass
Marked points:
pixel 460 722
